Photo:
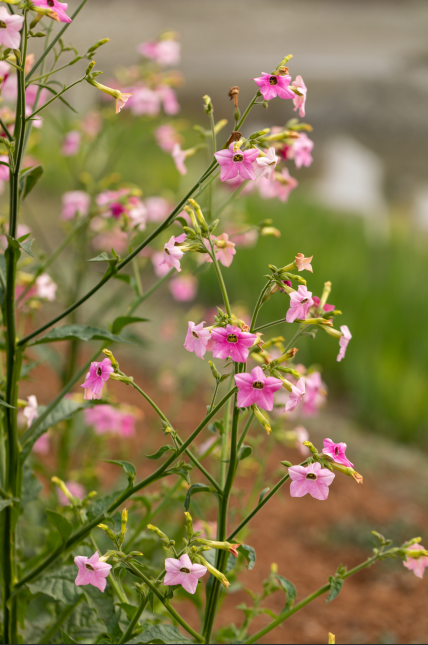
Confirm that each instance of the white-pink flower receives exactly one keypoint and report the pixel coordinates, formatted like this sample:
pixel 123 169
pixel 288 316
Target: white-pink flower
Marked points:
pixel 296 395
pixel 299 101
pixel 163 52
pixel 10 26
pixel 30 411
pixel 166 137
pixel 46 287
pixel 266 165
pixel 157 209
pixel 144 101
pixel 300 303
pixel 280 188
pixel 172 253
pixel 71 144
pixel 197 338
pixel 304 263
pixel 343 342
pixel 75 202
pixel 179 157
pixel 183 288
pixel 169 99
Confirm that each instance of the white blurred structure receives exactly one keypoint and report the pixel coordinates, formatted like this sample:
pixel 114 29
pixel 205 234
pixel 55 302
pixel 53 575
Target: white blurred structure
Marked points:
pixel 420 210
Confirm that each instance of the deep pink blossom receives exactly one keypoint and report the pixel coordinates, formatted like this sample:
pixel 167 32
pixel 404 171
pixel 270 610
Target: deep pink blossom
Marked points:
pixel 179 157
pixel 417 565
pixel 343 342
pixel 30 411
pixel 296 395
pixel 183 572
pixel 232 341
pixel 197 339
pixel 54 5
pixel 280 188
pixel 272 85
pixel 71 144
pixel 10 26
pixel 237 163
pixel 313 480
pixel 337 452
pixel 327 307
pixel 92 571
pixel 98 374
pixel 304 263
pixel 76 489
pixel 300 302
pixel 172 253
pixel 167 136
pixel 299 101
pixel 301 150
pixel 75 202
pixel 183 288
pixel 315 393
pixel 256 388
pixel 266 165
pixel 46 287
pixel 163 52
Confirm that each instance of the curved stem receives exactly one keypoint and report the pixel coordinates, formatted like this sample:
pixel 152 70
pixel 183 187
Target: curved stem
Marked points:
pixel 134 620
pixel 220 280
pixel 259 305
pixel 245 430
pixel 57 96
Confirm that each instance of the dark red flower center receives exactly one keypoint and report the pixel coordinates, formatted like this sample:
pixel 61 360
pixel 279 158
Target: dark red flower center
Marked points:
pixel 2 24
pixel 88 566
pixel 117 209
pixel 258 385
pixel 273 80
pixel 238 157
pixel 195 334
pixel 304 300
pixel 311 476
pixel 336 451
pixel 99 371
pixel 184 570
pixel 50 3
pixel 232 338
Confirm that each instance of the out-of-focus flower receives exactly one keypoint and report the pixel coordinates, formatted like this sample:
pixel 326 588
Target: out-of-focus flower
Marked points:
pixel 327 307
pixel 75 202
pixel 30 411
pixel 169 99
pixel 163 52
pixel 108 419
pixel 202 448
pixel 183 288
pixel 296 395
pixel 144 101
pixel 76 489
pixel 417 565
pixel 10 26
pixel 343 342
pixel 232 341
pixel 256 388
pixel 4 170
pixel 172 253
pixel 179 157
pixel 300 101
pixel 42 445
pixel 121 100
pixel 313 480
pixel 266 165
pixel 31 95
pixel 137 212
pixel 210 528
pixel 71 144
pixel 114 238
pixel 237 182
pixel 237 163
pixel 157 209
pixel 91 125
pixel 92 571
pixel 301 150
pixel 4 71
pixel 167 136
pixel 301 435
pixel 272 85
pixel 244 238
pixel 98 374
pixel 315 393
pixel 183 572
pixel 197 339
pixel 337 452
pixel 304 263
pixel 46 287
pixel 280 188
pixel 54 5
pixel 160 268
pixel 300 302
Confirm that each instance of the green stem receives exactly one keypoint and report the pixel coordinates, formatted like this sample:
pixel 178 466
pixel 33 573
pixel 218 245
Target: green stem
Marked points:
pixel 133 306
pixel 214 394
pixel 135 618
pixel 53 71
pixel 6 131
pixel 259 305
pixel 220 280
pixel 45 105
pixel 245 430
pixel 295 337
pixel 225 439
pixel 228 201
pixel 247 111
pixel 64 615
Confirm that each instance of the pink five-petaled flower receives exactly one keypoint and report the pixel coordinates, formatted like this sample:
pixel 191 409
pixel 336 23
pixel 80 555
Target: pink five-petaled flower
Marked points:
pixel 183 572
pixel 71 144
pixel 172 253
pixel 304 263
pixel 98 374
pixel 313 480
pixel 296 395
pixel 75 202
pixel 343 342
pixel 224 249
pixel 337 452
pixel 417 565
pixel 237 163
pixel 54 5
pixel 256 388
pixel 300 302
pixel 121 100
pixel 30 410
pixel 327 307
pixel 272 85
pixel 197 339
pixel 232 341
pixel 179 157
pixel 92 571
pixel 299 101
pixel 10 26
pixel 266 165
pixel 301 151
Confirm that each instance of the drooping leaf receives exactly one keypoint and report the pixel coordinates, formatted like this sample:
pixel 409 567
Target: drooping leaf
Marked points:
pixel 263 493
pixel 198 488
pixel 7 502
pixel 29 179
pixel 26 246
pixel 123 321
pixel 61 523
pixel 129 468
pixel 245 451
pixel 66 639
pixel 160 634
pixel 161 452
pixel 59 584
pixel 79 332
pixel 249 553
pixel 290 590
pixel 31 486
pixel 178 470
pixel 335 586
pixel 102 257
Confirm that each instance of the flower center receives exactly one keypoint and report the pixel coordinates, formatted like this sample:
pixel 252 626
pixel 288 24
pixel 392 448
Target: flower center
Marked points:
pixel 273 80
pixel 166 251
pixel 2 24
pixel 184 570
pixel 311 476
pixel 304 301
pixel 195 334
pixel 87 566
pixel 50 3
pixel 238 157
pixel 258 385
pixel 336 451
pixel 99 371
pixel 232 338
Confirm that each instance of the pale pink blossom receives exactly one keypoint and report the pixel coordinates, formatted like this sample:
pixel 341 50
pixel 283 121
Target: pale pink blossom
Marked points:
pixel 210 528
pixel 92 571
pixel 183 572
pixel 163 52
pixel 4 71
pixel 46 287
pixel 300 303
pixel 197 338
pixel 169 99
pixel 10 26
pixel 179 157
pixel 42 445
pixel 106 419
pixel 167 136
pixel 4 170
pixel 137 212
pixel 237 181
pixel 343 342
pixel 256 388
pixel 272 85
pixel 417 565
pixel 95 380
pixel 313 480
pixel 121 100
pixel 299 101
pixel 31 95
pixel 107 240
pixel 244 238
pixel 54 5
pixel 183 288
pixel 75 202
pixel 76 489
pixel 301 150
pixel 157 209
pixel 304 263
pixel 36 121
pixel 224 249
pixel 232 341
pixel 71 144
pixel 266 165
pixel 296 395
pixel 30 411
pixel 144 101
pixel 280 188
pixel 91 125
pixel 337 452
pixel 236 163
pixel 315 393
pixel 172 252
pixel 202 449
pixel 160 268
pixel 127 424
pixel 301 435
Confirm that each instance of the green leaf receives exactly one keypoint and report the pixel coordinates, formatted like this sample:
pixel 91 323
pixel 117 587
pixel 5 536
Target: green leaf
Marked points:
pixel 160 634
pixel 26 246
pixel 66 639
pixel 245 452
pixel 249 553
pixel 161 452
pixel 100 505
pixel 58 584
pixel 198 488
pixel 31 486
pixel 123 321
pixel 61 523
pixel 127 467
pixel 80 332
pixel 2 278
pixel 263 493
pixel 290 591
pixel 6 405
pixel 29 179
pixel 102 257
pixel 178 470
pixel 123 277
pixel 335 586
pixel 7 502
pixel 27 368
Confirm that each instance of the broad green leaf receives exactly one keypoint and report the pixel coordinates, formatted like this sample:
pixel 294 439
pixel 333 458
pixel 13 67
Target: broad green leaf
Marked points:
pixel 335 586
pixel 84 625
pixel 245 452
pixel 61 523
pixel 66 639
pixel 178 470
pixel 7 502
pixel 160 634
pixel 26 245
pixel 127 467
pixel 102 257
pixel 31 486
pixel 123 277
pixel 160 452
pixel 58 584
pixel 198 488
pixel 290 591
pixel 99 506
pixel 123 321
pixel 249 553
pixel 29 179
pixel 80 332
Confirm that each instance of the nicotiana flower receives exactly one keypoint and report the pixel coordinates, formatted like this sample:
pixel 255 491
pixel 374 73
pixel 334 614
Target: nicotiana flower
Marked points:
pixel 179 157
pixel 169 99
pixel 300 302
pixel 163 52
pixel 75 202
pixel 46 287
pixel 343 342
pixel 183 288
pixel 54 5
pixel 223 248
pixel 98 374
pixel 272 85
pixel 108 419
pixel 299 101
pixel 301 150
pixel 232 341
pixel 30 411
pixel 157 209
pixel 197 339
pixel 315 393
pixel 92 571
pixel 71 144
pixel 417 565
pixel 121 100
pixel 337 452
pixel 304 263
pixel 326 308
pixel 296 395
pixel 172 253
pixel 280 188
pixel 10 26
pixel 42 445
pixel 167 136
pixel 301 435
pixel 183 572
pixel 256 388
pixel 76 489
pixel 266 165
pixel 144 101
pixel 313 480
pixel 159 269
pixel 236 163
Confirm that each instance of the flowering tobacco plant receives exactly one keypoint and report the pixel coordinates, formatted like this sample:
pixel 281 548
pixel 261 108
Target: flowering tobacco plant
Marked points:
pixel 73 575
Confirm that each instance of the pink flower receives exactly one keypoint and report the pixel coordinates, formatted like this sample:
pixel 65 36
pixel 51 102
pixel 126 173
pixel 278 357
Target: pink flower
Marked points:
pixel 296 395
pixel 343 342
pixel 179 157
pixel 169 99
pixel 232 341
pixel 166 137
pixel 75 202
pixel 144 101
pixel 236 163
pixel 256 388
pixel 209 527
pixel 92 571
pixel 417 565
pixel 313 480
pixel 71 144
pixel 244 238
pixel 301 435
pixel 280 188
pixel 157 209
pixel 107 240
pixel 299 101
pixel 266 165
pixel 327 308
pixel 337 452
pixel 183 288
pixel 272 85
pixel 4 71
pixel 46 287
pixel 304 263
pixel 98 374
pixel 315 393
pixel 160 268
pixel 121 100
pixel 172 253
pixel 301 151
pixel 136 212
pixel 54 5
pixel 108 419
pixel 76 489
pixel 197 339
pixel 10 26
pixel 31 94
pixel 91 124
pixel 127 424
pixel 300 302
pixel 224 249
pixel 163 52
pixel 42 445
pixel 183 572
pixel 4 170
pixel 30 411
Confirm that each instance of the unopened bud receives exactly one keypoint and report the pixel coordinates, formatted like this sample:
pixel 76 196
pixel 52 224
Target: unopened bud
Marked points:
pixel 331 638
pixel 108 531
pixel 215 572
pixel 113 361
pixel 237 114
pixel 90 68
pixel 324 296
pixel 285 60
pixel 193 218
pixel 123 526
pixel 208 106
pixel 261 418
pixel 63 487
pixel 259 133
pixel 214 371
pixel 311 447
pixel 332 332
pixel 98 44
pixel 346 470
pixel 189 525
pixel 223 546
pixel 288 464
pixel 270 230
pixel 159 533
pixel 199 215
